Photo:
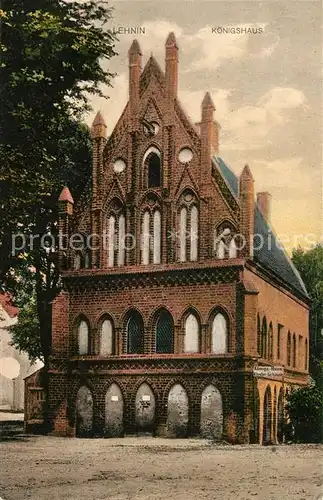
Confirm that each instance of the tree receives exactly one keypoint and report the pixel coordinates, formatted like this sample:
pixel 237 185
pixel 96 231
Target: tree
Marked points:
pixel 310 266
pixel 51 63
pixel 304 408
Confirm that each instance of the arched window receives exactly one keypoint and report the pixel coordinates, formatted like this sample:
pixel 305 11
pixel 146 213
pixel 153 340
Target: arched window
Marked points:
pixel 225 244
pixel 259 344
pixel 83 338
pixel 182 233
pixel 154 170
pixel 306 355
pixel 135 334
pixel 188 222
pixel 116 234
pixel 288 349
pixel 192 334
pixel 264 338
pixel 87 259
pixel 106 338
pixel 164 332
pixel 294 350
pixel 219 334
pixel 194 233
pixel 77 261
pixel 270 341
pixel 151 238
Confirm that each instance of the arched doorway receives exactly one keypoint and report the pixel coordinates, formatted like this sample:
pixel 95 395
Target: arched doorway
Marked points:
pixel 145 406
pixel 177 414
pixel 266 432
pixel 211 413
pixel 84 413
pixel 113 412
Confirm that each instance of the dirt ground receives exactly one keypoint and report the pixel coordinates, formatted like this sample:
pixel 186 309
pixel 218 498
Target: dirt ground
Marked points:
pixel 48 468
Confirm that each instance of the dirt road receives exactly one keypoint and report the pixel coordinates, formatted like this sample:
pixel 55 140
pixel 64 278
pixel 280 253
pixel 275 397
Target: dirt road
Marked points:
pixel 47 468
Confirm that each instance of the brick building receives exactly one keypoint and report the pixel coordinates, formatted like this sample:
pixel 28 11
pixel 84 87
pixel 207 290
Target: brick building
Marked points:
pixel 181 290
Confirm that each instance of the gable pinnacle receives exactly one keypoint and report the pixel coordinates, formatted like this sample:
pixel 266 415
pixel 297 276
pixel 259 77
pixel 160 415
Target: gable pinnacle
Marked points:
pixel 246 173
pixel 135 48
pixel 171 40
pixel 98 120
pixel 66 195
pixel 207 101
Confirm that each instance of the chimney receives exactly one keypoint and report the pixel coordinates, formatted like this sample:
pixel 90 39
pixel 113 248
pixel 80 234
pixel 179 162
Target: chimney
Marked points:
pixel 135 60
pixel 207 137
pixel 264 204
pixel 247 210
pixel 171 67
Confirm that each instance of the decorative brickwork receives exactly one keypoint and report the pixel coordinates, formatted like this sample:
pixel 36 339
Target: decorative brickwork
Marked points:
pixel 192 382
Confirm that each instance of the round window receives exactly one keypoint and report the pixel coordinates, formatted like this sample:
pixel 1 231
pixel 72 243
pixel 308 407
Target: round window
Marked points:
pixel 119 166
pixel 185 155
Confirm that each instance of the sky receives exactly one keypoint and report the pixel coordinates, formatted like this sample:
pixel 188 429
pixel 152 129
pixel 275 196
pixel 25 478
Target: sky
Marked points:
pixel 266 87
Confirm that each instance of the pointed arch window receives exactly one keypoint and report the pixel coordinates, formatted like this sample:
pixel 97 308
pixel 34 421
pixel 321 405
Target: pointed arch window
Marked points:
pixel 116 232
pixel 83 338
pixel 225 242
pixel 152 168
pixel 135 333
pixel 164 333
pixel 107 347
pixel 270 341
pixel 151 237
pixel 188 224
pixel 288 349
pixel 264 343
pixel 192 334
pixel 306 355
pixel 219 334
pixel 294 351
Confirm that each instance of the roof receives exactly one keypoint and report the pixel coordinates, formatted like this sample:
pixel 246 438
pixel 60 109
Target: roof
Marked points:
pixel 272 256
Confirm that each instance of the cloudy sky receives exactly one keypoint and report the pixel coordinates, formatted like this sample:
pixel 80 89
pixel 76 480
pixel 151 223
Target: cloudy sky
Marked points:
pixel 267 89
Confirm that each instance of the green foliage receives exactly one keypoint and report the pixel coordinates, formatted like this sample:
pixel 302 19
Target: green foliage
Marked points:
pixel 53 59
pixel 26 332
pixel 310 266
pixel 304 408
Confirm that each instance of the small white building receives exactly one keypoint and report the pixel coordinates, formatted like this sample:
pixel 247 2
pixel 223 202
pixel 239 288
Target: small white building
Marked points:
pixel 14 366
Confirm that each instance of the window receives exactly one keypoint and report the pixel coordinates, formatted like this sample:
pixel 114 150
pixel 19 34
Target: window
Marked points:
pixel 300 363
pixel 154 170
pixel 306 355
pixel 270 341
pixel 135 334
pixel 288 349
pixel 259 347
pixel 192 334
pixel 151 238
pixel 279 334
pixel 77 261
pixel 294 350
pixel 106 338
pixel 116 235
pixel 188 227
pixel 264 338
pixel 225 244
pixel 219 334
pixel 164 332
pixel 83 338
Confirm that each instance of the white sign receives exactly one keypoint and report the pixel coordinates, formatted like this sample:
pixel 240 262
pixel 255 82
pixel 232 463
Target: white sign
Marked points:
pixel 268 371
pixel 146 397
pixel 114 398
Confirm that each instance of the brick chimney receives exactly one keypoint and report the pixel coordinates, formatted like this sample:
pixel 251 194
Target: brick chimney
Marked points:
pixel 171 67
pixel 264 204
pixel 247 210
pixel 207 137
pixel 135 60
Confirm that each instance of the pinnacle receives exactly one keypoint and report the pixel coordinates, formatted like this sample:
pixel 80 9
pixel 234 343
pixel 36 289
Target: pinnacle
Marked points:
pixel 135 48
pixel 246 173
pixel 98 120
pixel 171 40
pixel 66 195
pixel 207 101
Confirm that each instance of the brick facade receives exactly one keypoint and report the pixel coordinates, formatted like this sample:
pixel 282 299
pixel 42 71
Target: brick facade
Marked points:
pixel 236 288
